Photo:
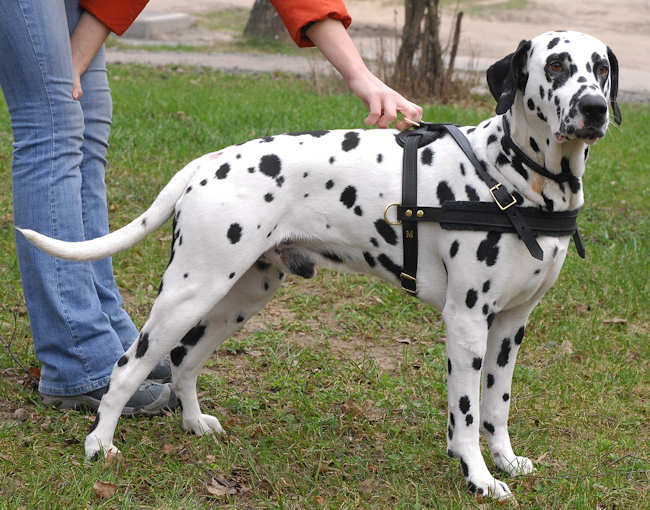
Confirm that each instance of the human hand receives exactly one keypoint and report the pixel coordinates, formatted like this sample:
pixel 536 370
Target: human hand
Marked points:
pixel 77 91
pixel 382 102
pixel 86 39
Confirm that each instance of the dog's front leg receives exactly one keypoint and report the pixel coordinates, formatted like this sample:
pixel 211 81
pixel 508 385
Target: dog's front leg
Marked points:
pixel 505 337
pixel 466 344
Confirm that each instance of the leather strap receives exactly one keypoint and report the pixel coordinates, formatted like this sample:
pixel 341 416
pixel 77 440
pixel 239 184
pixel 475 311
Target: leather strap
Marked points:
pixel 410 196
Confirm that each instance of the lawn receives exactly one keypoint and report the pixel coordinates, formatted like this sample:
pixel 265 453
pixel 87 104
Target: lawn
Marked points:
pixel 334 397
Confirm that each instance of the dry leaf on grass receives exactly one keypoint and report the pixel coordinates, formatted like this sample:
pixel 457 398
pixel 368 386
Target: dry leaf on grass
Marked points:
pixel 566 347
pixel 104 490
pixel 615 320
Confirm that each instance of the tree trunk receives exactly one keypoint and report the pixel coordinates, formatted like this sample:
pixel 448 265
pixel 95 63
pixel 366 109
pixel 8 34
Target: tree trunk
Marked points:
pixel 265 23
pixel 419 68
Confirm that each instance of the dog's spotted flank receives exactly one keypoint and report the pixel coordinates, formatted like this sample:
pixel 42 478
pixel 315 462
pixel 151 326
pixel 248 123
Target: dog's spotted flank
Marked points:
pixel 287 203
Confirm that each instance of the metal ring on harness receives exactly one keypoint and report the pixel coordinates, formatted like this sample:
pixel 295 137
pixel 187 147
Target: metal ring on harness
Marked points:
pixel 398 222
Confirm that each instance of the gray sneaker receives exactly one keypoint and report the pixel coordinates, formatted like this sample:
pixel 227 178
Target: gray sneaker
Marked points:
pixel 162 372
pixel 150 399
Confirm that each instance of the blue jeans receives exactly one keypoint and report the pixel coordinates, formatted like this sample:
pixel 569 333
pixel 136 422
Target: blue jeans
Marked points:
pixel 78 324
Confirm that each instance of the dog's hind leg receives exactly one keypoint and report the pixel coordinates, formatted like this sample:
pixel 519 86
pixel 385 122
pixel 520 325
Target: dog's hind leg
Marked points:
pixel 505 337
pixel 177 310
pixel 251 292
pixel 467 333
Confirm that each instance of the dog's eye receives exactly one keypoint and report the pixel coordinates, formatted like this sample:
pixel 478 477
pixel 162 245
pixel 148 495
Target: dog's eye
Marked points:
pixel 556 66
pixel 603 70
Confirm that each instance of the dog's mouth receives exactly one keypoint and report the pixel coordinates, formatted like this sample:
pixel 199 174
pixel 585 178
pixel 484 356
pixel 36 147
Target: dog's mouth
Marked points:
pixel 586 134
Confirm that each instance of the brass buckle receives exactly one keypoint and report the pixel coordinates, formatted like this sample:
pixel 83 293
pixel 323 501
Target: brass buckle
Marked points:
pixel 398 222
pixel 502 207
pixel 409 277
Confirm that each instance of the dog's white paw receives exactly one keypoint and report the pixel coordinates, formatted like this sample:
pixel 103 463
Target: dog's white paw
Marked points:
pixel 94 445
pixel 514 466
pixel 490 488
pixel 203 424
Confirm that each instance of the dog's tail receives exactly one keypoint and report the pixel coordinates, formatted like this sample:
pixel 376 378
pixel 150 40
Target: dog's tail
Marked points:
pixel 149 221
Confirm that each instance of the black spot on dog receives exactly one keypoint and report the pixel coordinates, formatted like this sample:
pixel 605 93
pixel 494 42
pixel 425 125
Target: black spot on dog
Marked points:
pixel 427 156
pixel 177 354
pixel 251 169
pixel 488 426
pixel 464 467
pixel 519 336
pixel 329 184
pixel 122 361
pixel 349 196
pixel 144 222
pixel 331 256
pixel 370 260
pixel 239 319
pixel 279 181
pixel 548 202
pixel 193 336
pixel 491 139
pixel 380 158
pixel 389 265
pixel 332 159
pixel 350 141
pixel 469 419
pixel 374 242
pixel 222 173
pixel 386 232
pixel 230 276
pixel 574 182
pixel 464 404
pixel 266 139
pixel 490 380
pixel 444 192
pixel 502 159
pixel 234 233
pixel 485 309
pixel 270 165
pixel 476 363
pixel 533 144
pixel 553 43
pixel 462 169
pixel 143 345
pixel 358 211
pixel 505 397
pixel 486 286
pixel 470 298
pixel 471 130
pixel 452 420
pixel 95 423
pixel 471 193
pixel 268 197
pixel 448 366
pixel 490 320
pixel 450 433
pixel 488 251
pixel 504 353
pixel 531 104
pixel 203 182
pixel 453 250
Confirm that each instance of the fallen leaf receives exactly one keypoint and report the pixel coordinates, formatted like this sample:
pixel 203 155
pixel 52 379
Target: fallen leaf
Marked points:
pixel 21 414
pixel 406 341
pixel 566 347
pixel 104 490
pixel 218 486
pixel 167 448
pixel 35 372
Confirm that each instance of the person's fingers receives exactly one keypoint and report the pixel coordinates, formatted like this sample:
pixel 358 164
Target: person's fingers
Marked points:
pixel 389 113
pixel 374 107
pixel 77 92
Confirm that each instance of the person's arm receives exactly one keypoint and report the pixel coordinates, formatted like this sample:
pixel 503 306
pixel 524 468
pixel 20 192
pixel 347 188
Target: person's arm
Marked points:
pixel 85 41
pixel 383 103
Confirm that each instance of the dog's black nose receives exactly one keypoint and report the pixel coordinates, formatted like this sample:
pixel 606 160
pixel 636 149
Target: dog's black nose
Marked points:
pixel 594 109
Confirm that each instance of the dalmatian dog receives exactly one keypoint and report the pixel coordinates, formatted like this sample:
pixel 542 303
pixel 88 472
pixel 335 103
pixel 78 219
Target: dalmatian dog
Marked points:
pixel 246 215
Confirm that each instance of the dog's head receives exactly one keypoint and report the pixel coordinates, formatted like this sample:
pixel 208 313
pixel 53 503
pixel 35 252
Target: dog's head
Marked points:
pixel 565 79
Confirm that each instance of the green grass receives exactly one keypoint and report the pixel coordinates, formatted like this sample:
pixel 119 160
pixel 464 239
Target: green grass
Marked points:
pixel 323 406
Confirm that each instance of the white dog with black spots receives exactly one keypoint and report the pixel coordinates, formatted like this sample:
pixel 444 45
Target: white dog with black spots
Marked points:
pixel 248 214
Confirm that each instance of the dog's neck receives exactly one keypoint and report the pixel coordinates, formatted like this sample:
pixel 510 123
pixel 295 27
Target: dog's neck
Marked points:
pixel 565 161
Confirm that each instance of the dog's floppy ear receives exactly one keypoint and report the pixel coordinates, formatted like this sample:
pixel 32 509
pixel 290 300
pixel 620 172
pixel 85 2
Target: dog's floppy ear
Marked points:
pixel 613 91
pixel 508 74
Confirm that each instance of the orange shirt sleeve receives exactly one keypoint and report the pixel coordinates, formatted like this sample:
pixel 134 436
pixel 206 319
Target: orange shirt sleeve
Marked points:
pixel 115 14
pixel 298 14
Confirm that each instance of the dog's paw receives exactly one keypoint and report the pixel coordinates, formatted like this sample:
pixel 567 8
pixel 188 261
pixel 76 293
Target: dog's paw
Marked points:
pixel 514 466
pixel 203 424
pixel 94 446
pixel 490 488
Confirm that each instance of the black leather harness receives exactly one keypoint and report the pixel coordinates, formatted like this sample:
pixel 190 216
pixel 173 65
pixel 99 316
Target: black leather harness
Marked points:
pixel 502 215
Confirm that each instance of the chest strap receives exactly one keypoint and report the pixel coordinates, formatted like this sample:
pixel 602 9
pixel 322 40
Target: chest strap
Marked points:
pixel 502 215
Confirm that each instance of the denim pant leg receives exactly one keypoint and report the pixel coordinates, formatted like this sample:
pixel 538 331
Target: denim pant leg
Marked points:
pixel 97 110
pixel 73 337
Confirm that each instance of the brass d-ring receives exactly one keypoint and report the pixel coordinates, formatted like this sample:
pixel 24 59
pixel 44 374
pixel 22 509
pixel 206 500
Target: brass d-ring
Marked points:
pixel 398 222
